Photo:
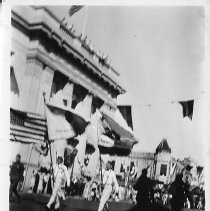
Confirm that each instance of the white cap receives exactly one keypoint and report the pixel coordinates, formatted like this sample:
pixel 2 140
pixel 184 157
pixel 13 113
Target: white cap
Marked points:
pixel 59 156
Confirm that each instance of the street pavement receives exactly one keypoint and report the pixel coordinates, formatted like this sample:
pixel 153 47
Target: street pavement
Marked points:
pixel 35 202
pixel 32 202
pixel 70 205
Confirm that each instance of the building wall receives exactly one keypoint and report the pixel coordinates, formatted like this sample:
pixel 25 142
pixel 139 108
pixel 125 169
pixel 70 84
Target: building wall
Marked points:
pixel 19 46
pixel 163 160
pixel 36 60
pixel 55 57
pixel 152 162
pixel 141 160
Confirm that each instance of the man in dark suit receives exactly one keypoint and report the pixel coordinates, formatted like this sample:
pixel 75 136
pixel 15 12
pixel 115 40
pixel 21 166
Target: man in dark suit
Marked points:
pixel 16 176
pixel 145 194
pixel 180 191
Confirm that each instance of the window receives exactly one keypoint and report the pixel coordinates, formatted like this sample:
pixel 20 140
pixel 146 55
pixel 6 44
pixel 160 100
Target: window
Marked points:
pixel 163 169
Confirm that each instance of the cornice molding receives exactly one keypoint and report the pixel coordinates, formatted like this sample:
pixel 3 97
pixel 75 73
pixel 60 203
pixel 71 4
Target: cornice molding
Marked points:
pixel 43 57
pixel 63 43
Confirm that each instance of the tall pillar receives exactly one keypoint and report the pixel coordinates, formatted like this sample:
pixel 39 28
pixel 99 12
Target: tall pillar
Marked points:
pixel 85 110
pixel 33 74
pixel 59 145
pixel 117 165
pixel 45 86
pixel 68 92
pixel 85 106
pixel 93 162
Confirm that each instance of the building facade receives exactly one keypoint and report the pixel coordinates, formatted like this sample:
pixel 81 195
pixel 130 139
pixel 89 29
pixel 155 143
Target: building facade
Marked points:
pixel 47 57
pixel 161 166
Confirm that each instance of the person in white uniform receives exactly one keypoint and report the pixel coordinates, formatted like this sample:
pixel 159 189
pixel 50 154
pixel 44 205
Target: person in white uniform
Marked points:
pixel 110 184
pixel 60 172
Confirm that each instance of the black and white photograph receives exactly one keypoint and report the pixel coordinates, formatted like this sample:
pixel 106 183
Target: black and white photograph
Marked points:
pixel 106 106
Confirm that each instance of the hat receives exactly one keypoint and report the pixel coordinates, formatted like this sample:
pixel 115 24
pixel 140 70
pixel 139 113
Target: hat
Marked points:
pixel 59 156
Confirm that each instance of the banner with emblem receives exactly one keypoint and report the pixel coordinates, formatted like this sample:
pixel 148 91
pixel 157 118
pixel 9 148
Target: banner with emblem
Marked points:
pixel 63 122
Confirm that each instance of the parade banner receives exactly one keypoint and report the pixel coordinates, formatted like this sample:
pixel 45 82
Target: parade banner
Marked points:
pixel 105 141
pixel 58 126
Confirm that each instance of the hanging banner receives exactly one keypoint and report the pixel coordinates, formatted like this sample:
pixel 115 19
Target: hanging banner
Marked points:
pixel 187 107
pixel 105 141
pixel 63 123
pixel 58 126
pixel 126 111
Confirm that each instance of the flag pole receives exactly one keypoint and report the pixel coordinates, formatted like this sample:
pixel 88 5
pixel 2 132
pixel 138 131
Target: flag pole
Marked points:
pixel 44 94
pixel 84 22
pixel 100 160
pixel 72 171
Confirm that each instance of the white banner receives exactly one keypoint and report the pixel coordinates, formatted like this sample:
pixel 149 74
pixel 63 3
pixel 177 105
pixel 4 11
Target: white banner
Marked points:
pixel 105 141
pixel 58 126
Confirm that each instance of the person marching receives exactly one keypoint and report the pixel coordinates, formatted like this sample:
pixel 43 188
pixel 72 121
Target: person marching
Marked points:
pixel 180 191
pixel 16 176
pixel 60 172
pixel 145 194
pixel 109 181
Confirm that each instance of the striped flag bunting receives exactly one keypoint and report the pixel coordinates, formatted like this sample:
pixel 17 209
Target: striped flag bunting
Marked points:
pixel 27 127
pixel 75 8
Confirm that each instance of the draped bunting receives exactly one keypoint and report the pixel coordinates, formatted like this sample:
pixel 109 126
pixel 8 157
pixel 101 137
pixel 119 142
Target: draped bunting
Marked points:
pixel 111 138
pixel 26 127
pixel 187 107
pixel 124 134
pixel 126 112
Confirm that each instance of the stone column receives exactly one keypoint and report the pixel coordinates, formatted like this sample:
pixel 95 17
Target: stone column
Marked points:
pixel 93 162
pixel 68 92
pixel 117 165
pixel 45 86
pixel 85 110
pixel 86 105
pixel 33 74
pixel 59 145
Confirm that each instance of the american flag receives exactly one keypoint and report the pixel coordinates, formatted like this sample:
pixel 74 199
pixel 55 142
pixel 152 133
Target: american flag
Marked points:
pixel 75 8
pixel 27 127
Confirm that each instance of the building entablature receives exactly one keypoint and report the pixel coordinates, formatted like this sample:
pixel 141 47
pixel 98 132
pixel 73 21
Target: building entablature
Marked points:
pixel 47 60
pixel 46 25
pixel 142 155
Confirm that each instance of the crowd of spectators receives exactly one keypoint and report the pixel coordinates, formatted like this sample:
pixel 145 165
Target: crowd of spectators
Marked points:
pixel 89 189
pixel 86 44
